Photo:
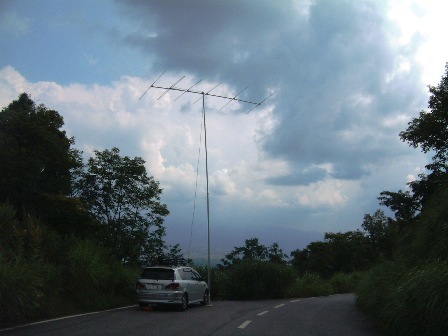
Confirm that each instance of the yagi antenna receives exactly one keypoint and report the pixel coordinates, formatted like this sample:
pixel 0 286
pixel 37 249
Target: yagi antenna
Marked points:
pixel 171 87
pixel 209 91
pixel 188 90
pixel 234 98
pixel 152 85
pixel 273 93
pixel 203 95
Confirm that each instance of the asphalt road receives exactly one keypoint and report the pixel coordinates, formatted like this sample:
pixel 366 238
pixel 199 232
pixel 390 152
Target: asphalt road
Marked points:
pixel 335 315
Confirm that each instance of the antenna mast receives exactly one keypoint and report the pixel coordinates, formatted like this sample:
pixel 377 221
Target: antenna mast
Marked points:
pixel 203 95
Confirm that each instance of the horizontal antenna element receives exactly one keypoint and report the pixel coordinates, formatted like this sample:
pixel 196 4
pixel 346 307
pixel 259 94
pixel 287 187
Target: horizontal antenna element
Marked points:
pixel 202 93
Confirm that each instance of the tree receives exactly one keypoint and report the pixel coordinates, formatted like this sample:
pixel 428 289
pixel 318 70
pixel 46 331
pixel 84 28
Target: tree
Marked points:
pixel 276 254
pixel 253 250
pixel 381 233
pixel 172 255
pixel 126 200
pixel 299 260
pixel 405 205
pixel 339 252
pixel 429 131
pixel 37 158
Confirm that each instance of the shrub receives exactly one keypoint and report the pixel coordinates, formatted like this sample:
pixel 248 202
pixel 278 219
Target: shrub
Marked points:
pixel 219 281
pixel 309 285
pixel 250 279
pixel 344 283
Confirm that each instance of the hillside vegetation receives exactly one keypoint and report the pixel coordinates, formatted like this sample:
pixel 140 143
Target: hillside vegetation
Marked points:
pixel 408 293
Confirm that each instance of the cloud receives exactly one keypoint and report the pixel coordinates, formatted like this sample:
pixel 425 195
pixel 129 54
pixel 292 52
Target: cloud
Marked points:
pixel 339 77
pixel 250 190
pixel 313 157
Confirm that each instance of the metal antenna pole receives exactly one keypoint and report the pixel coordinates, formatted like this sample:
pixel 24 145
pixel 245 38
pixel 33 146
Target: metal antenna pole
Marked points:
pixel 208 203
pixel 203 94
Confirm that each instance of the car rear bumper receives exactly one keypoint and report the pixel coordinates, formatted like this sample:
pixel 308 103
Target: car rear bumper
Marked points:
pixel 160 297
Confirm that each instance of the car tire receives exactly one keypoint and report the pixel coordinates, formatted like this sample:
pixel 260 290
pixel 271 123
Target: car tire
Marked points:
pixel 205 299
pixel 184 303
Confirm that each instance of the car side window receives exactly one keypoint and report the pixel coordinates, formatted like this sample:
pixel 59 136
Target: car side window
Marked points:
pixel 196 275
pixel 181 274
pixel 188 274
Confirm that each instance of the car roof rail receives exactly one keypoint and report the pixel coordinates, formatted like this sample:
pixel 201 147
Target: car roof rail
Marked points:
pixel 170 261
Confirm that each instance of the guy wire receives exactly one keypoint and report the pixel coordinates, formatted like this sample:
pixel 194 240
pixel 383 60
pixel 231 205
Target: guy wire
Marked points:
pixel 196 187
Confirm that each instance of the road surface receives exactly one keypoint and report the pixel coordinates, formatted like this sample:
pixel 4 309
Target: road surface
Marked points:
pixel 335 315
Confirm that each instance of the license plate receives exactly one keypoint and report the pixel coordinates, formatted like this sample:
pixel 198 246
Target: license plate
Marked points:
pixel 149 286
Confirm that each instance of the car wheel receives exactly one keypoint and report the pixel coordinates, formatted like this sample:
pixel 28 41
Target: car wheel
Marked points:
pixel 184 303
pixel 205 299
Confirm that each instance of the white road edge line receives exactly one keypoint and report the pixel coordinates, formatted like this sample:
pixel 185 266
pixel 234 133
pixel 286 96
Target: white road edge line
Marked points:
pixel 280 305
pixel 65 317
pixel 263 312
pixel 295 301
pixel 244 324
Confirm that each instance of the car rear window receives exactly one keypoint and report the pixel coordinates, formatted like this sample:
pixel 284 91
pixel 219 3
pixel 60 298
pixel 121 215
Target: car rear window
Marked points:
pixel 157 274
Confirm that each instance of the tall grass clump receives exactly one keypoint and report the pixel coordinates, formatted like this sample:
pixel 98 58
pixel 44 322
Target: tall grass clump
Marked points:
pixel 405 301
pixel 419 304
pixel 95 280
pixel 21 290
pixel 377 285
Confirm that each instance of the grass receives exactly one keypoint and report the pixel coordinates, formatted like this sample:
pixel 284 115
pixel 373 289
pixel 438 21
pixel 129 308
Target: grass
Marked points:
pixel 407 301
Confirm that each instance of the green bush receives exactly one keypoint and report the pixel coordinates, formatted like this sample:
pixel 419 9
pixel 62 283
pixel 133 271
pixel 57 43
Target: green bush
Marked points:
pixel 219 281
pixel 344 283
pixel 309 285
pixel 256 280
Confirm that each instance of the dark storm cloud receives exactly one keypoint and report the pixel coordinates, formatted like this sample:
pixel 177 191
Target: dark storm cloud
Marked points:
pixel 4 4
pixel 333 68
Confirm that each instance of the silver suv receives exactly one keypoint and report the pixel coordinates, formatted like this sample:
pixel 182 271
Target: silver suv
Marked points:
pixel 179 286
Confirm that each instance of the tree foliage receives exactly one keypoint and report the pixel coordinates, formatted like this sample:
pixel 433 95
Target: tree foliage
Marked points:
pixel 253 250
pixel 53 243
pixel 126 200
pixel 341 252
pixel 412 208
pixel 381 234
pixel 430 130
pixel 37 156
pixel 402 203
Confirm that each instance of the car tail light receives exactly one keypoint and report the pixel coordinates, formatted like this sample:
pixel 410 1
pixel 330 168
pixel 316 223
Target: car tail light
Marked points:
pixel 139 285
pixel 173 286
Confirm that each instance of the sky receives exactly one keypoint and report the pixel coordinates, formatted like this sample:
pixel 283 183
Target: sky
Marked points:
pixel 347 77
